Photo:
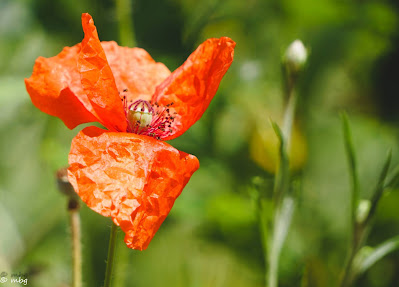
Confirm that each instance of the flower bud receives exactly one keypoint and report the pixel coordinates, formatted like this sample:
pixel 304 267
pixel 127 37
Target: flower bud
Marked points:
pixel 363 210
pixel 64 186
pixel 295 56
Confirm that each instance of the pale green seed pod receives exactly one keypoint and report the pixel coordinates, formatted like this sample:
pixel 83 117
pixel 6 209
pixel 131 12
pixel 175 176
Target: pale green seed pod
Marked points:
pixel 140 115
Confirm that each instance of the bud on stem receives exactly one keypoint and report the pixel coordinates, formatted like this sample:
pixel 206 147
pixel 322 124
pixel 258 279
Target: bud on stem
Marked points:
pixel 295 57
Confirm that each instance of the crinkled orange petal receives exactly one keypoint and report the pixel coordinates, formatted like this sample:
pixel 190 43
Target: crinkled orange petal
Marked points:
pixel 55 88
pixel 134 70
pixel 192 86
pixel 132 178
pixel 98 81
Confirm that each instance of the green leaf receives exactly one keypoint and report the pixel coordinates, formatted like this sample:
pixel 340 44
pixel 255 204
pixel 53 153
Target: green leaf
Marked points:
pixel 282 176
pixel 282 223
pixel 352 164
pixel 392 181
pixel 384 172
pixel 377 253
pixel 379 189
pixel 284 209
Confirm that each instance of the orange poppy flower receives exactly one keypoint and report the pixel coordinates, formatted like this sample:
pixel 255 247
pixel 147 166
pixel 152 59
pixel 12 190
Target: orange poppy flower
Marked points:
pixel 128 172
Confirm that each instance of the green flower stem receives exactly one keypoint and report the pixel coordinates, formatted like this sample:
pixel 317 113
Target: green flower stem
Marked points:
pixel 74 219
pixel 289 114
pixel 283 206
pixel 361 228
pixel 357 242
pixel 123 255
pixel 358 233
pixel 126 38
pixel 282 222
pixel 263 228
pixel 65 187
pixel 124 14
pixel 350 151
pixel 111 255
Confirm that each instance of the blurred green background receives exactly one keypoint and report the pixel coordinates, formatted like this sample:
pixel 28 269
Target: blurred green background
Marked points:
pixel 211 237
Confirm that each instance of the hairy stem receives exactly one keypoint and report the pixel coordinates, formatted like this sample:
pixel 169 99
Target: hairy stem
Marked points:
pixel 74 219
pixel 111 255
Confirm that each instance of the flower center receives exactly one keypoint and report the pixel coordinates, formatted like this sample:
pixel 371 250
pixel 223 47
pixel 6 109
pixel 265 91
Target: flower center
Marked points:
pixel 139 115
pixel 150 120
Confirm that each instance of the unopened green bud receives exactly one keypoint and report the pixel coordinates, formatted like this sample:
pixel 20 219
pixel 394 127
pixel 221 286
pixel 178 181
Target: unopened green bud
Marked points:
pixel 363 210
pixel 295 56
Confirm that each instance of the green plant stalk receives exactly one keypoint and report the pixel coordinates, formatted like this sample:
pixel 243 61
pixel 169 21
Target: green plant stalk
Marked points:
pixel 289 114
pixel 353 169
pixel 124 14
pixel 111 255
pixel 281 223
pixel 282 213
pixel 263 227
pixel 74 219
pixel 73 207
pixel 123 261
pixel 263 223
pixel 126 38
pixel 357 233
pixel 360 229
pixel 359 237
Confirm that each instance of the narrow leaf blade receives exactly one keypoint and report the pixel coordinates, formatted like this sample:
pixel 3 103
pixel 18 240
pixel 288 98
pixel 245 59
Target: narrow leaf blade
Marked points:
pixel 378 253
